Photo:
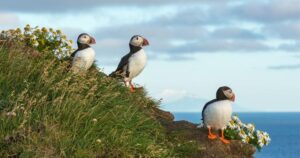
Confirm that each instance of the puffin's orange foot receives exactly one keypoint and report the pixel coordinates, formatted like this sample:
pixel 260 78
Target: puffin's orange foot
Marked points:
pixel 212 136
pixel 132 90
pixel 225 141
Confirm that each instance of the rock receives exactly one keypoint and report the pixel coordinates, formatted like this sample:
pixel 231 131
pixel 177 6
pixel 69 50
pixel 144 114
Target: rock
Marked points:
pixel 207 148
pixel 166 118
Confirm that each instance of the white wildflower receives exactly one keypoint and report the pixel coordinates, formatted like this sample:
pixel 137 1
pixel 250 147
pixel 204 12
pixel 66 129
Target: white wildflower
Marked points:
pixel 235 118
pixel 260 144
pixel 98 141
pixel 45 30
pixel 11 113
pixel 231 126
pixel 237 128
pixel 250 127
pixel 27 28
pixel 265 133
pixel 69 42
pixel 242 134
pixel 59 32
pixel 247 133
pixel 246 139
pixel 250 135
pixel 35 44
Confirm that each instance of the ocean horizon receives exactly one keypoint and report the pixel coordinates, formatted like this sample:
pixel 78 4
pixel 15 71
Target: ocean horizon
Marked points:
pixel 283 127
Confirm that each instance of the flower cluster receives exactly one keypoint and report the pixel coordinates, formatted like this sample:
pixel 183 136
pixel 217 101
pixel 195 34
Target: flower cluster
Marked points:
pixel 41 39
pixel 236 129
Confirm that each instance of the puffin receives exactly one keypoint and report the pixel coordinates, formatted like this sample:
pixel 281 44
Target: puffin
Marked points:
pixel 217 113
pixel 84 57
pixel 133 63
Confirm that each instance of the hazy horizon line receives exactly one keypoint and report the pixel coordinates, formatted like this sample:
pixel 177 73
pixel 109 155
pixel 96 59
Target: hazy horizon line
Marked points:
pixel 241 112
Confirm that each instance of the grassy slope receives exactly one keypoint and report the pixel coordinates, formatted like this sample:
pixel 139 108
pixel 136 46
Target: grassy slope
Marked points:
pixel 55 110
pixel 46 111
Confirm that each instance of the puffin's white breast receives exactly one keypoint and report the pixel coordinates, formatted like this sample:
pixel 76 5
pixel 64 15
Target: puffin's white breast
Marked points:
pixel 218 114
pixel 84 59
pixel 137 62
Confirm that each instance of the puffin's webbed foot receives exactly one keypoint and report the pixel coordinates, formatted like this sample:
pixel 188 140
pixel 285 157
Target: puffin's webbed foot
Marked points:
pixel 211 135
pixel 222 138
pixel 225 141
pixel 132 89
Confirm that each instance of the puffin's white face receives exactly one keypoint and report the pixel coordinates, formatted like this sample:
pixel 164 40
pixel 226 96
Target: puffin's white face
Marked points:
pixel 138 41
pixel 86 39
pixel 229 94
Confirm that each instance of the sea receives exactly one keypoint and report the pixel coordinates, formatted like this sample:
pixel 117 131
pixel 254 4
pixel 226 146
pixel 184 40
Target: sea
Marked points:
pixel 284 130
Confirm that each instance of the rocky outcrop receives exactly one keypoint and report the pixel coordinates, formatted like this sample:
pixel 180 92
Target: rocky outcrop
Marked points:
pixel 207 148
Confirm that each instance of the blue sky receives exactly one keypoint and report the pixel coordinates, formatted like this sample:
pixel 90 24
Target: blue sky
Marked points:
pixel 253 46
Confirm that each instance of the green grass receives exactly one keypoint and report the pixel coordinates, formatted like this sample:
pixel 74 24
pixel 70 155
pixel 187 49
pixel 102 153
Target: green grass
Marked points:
pixel 60 114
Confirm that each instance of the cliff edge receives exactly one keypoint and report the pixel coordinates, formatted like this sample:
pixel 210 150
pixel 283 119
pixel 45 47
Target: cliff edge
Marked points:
pixel 47 111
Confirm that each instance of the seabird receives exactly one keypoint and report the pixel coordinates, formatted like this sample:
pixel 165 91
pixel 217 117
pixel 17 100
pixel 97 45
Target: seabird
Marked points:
pixel 132 64
pixel 84 57
pixel 217 113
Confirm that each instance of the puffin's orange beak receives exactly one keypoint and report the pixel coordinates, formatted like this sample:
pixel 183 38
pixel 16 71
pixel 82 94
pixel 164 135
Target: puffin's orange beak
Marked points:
pixel 145 42
pixel 92 40
pixel 233 98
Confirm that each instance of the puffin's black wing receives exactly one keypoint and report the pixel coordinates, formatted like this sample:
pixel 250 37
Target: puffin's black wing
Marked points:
pixel 73 54
pixel 71 58
pixel 206 105
pixel 123 63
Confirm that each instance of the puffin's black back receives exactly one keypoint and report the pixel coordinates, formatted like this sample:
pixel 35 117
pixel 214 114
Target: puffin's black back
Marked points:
pixel 219 96
pixel 124 60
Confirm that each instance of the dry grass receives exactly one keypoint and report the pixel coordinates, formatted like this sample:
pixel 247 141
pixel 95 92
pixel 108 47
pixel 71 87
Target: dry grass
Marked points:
pixel 46 111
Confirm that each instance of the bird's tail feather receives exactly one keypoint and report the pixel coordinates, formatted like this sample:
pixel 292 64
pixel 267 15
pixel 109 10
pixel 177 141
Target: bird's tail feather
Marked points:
pixel 201 125
pixel 112 74
pixel 116 74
